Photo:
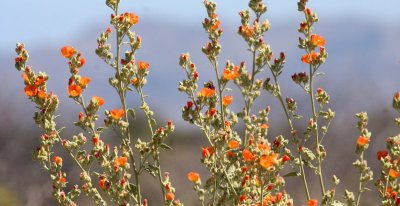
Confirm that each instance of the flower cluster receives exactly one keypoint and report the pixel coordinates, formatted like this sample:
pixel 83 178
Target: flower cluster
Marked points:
pixel 118 172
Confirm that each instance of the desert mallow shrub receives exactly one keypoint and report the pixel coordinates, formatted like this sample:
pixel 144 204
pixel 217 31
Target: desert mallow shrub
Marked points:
pixel 245 167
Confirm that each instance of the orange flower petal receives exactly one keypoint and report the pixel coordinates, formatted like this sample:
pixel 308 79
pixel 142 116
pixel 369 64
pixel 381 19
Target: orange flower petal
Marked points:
pixel 247 155
pixel 74 90
pixel 120 161
pixel 143 65
pixel 41 94
pixel 393 173
pixel 268 161
pixel 31 90
pixel 117 113
pixel 362 140
pixel 312 202
pixel 207 92
pixel 170 196
pixel 133 18
pixel 233 144
pixel 317 40
pixel 98 100
pixel 231 74
pixel 193 177
pixel 227 100
pixel 84 81
pixel 68 51
pixel 58 160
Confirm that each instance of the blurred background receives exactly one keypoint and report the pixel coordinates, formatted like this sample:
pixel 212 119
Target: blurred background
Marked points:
pixel 363 71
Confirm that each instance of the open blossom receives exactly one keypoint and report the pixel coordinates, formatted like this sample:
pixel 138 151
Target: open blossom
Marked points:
pixel 231 74
pixel 120 161
pixel 216 25
pixel 170 196
pixel 233 144
pixel 268 161
pixel 117 113
pixel 133 18
pixel 317 40
pixel 31 90
pixel 312 202
pixel 394 173
pixel 74 90
pixel 98 100
pixel 41 94
pixel 193 177
pixel 84 81
pixel 362 140
pixel 143 65
pixel 58 160
pixel 306 58
pixel 206 151
pixel 68 51
pixel 206 92
pixel 247 155
pixel 227 100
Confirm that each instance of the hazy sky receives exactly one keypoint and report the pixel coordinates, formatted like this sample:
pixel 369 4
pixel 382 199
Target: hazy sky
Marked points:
pixel 38 21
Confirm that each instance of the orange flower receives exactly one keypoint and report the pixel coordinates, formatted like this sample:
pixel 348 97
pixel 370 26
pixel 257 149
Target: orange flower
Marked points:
pixel 361 141
pixel 41 94
pixel 74 90
pixel 117 113
pixel 317 40
pixel 231 74
pixel 62 180
pixel 133 18
pixel 263 147
pixel 170 196
pixel 120 161
pixel 268 161
pixel 247 155
pixel 227 100
pixel 233 144
pixel 102 183
pixel 206 151
pixel 143 65
pixel 134 81
pixel 58 160
pixel 306 57
pixel 264 126
pixel 31 90
pixel 25 77
pixel 39 80
pixel 206 92
pixel 312 202
pixel 393 173
pixel 193 177
pixel 216 25
pixel 84 81
pixel 68 51
pixel 82 61
pixel 98 100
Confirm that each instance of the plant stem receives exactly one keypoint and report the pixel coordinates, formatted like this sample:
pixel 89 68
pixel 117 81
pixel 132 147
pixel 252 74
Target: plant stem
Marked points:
pixel 360 186
pixel 156 153
pixel 97 194
pixel 289 120
pixel 311 92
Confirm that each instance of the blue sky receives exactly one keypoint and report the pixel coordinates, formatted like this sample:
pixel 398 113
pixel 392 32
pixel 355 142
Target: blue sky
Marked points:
pixel 37 21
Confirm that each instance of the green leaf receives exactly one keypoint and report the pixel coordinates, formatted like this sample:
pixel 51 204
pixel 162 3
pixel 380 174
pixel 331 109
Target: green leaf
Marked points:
pixel 132 113
pixel 292 174
pixel 100 129
pixel 296 116
pixel 165 146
